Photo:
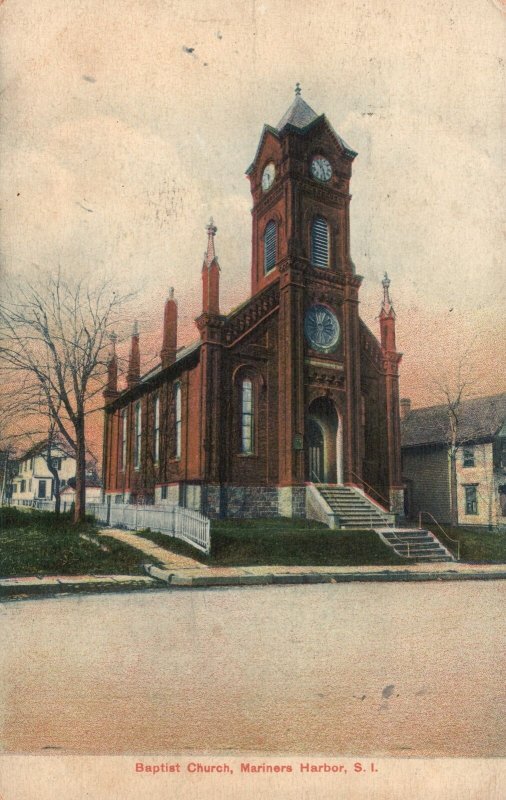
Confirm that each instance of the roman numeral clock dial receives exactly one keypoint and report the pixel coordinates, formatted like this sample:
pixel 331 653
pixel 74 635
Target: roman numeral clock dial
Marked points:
pixel 321 169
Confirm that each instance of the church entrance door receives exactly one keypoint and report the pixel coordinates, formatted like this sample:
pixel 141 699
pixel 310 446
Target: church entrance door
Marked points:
pixel 323 442
pixel 315 447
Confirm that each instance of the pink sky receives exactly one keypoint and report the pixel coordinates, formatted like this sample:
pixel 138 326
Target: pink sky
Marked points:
pixel 127 125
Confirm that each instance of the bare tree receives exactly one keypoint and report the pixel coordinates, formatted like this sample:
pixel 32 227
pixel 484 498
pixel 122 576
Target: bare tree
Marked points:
pixel 454 388
pixel 54 339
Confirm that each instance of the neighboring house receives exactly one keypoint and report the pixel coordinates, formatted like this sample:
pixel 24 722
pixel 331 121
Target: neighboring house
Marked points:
pixel 93 493
pixel 480 461
pixel 290 388
pixel 33 480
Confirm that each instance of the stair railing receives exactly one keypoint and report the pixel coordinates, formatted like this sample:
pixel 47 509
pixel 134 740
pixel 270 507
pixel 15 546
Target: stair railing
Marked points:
pixel 454 541
pixel 372 489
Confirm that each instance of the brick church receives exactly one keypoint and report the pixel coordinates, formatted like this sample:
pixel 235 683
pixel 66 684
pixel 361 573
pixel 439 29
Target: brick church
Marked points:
pixel 290 392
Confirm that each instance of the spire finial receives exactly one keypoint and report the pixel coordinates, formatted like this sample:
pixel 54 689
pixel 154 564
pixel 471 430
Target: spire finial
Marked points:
pixel 171 293
pixel 211 233
pixel 135 329
pixel 387 302
pixel 298 90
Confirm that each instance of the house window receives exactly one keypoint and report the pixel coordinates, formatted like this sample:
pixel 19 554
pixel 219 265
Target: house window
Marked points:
pixel 138 435
pixel 471 499
pixel 31 464
pixel 320 242
pixel 156 430
pixel 123 446
pixel 247 412
pixel 30 485
pixel 468 457
pixel 23 486
pixel 42 489
pixel 163 493
pixel 14 488
pixel 56 463
pixel 270 245
pixel 177 405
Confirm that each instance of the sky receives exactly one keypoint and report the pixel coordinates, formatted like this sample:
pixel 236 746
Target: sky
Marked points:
pixel 126 125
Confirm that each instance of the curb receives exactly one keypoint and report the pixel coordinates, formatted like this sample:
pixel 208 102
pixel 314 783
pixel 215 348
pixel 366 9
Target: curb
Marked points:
pixel 19 588
pixel 181 580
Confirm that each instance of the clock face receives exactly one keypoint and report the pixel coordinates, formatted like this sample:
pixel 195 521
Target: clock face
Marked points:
pixel 321 328
pixel 321 169
pixel 268 176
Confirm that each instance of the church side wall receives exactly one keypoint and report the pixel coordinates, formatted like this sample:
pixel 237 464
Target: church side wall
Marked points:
pixel 374 441
pixel 427 471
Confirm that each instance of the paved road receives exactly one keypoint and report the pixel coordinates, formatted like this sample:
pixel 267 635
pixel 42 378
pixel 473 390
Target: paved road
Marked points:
pixel 405 669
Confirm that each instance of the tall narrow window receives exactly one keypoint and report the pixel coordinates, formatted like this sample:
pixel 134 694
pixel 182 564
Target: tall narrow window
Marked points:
pixel 468 457
pixel 270 246
pixel 471 499
pixel 156 430
pixel 247 411
pixel 138 435
pixel 320 242
pixel 177 404
pixel 123 443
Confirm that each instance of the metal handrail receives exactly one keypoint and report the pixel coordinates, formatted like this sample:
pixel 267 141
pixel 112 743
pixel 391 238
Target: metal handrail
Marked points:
pixel 428 514
pixel 387 502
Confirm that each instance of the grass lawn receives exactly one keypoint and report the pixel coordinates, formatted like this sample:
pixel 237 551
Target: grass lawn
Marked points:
pixel 477 544
pixel 38 543
pixel 285 542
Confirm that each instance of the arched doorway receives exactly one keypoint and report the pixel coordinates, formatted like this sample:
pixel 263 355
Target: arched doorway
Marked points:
pixel 315 445
pixel 323 443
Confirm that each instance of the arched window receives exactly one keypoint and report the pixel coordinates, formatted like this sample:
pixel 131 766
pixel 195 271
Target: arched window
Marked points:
pixel 123 442
pixel 138 435
pixel 270 245
pixel 320 242
pixel 156 430
pixel 177 409
pixel 247 416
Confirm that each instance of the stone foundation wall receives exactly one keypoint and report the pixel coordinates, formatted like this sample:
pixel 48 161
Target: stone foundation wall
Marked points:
pixel 246 502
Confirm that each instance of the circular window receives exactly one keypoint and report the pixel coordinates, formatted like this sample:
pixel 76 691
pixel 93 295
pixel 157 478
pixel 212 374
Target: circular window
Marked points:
pixel 321 328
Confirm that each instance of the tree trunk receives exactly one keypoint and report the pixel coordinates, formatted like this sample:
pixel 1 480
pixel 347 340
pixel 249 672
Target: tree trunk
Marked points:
pixel 454 512
pixel 56 485
pixel 80 502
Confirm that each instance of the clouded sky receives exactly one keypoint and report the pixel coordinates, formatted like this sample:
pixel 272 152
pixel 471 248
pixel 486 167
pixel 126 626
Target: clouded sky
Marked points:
pixel 126 125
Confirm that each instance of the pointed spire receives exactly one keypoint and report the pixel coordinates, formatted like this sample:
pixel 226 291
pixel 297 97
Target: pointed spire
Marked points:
pixel 210 254
pixel 211 274
pixel 134 361
pixel 111 387
pixel 169 343
pixel 387 318
pixel 300 114
pixel 386 306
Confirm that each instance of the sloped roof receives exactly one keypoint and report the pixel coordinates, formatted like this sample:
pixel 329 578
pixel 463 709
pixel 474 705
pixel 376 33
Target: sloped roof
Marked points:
pixel 299 114
pixel 41 447
pixel 479 418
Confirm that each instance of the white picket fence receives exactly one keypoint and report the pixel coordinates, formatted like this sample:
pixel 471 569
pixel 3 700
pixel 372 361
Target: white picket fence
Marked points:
pixel 41 505
pixel 183 523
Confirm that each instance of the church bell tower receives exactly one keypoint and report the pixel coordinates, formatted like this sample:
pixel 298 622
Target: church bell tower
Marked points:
pixel 300 180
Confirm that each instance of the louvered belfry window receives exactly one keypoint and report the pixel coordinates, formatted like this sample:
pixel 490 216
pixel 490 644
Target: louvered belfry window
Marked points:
pixel 320 242
pixel 270 246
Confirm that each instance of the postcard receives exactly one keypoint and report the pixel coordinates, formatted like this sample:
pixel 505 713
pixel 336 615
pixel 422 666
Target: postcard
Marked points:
pixel 252 405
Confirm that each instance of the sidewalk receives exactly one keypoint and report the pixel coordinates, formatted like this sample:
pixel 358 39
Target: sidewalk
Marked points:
pixel 183 572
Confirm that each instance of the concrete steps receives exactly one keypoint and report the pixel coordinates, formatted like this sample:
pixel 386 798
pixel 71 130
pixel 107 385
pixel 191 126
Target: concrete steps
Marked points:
pixel 419 545
pixel 352 508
